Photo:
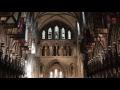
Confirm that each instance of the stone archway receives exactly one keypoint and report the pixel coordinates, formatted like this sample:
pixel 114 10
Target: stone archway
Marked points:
pixel 55 69
pixel 56 72
pixel 60 52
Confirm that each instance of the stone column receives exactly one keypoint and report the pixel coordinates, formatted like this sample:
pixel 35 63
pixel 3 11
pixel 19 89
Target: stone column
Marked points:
pixel 51 50
pixel 45 52
pixel 67 51
pixel 56 50
pixel 61 51
pixel 69 71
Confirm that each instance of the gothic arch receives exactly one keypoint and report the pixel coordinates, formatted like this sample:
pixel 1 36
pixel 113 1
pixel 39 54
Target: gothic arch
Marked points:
pixel 45 50
pixel 72 69
pixel 72 14
pixel 41 70
pixel 60 25
pixel 58 18
pixel 56 22
pixel 55 65
pixel 69 49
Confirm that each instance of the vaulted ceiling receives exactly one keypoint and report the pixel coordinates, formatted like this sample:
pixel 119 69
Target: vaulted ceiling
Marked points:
pixel 73 14
pixel 69 18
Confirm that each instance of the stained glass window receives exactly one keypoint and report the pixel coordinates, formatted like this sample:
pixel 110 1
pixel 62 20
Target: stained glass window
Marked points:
pixel 56 32
pixel 63 33
pixel 50 33
pixel 69 34
pixel 43 35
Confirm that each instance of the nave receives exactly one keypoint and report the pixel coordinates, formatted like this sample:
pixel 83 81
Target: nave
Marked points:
pixel 59 44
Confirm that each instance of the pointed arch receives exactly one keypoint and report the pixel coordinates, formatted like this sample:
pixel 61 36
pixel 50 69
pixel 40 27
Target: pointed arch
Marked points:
pixel 41 70
pixel 43 34
pixel 63 33
pixel 56 32
pixel 71 69
pixel 50 33
pixel 55 69
pixel 69 34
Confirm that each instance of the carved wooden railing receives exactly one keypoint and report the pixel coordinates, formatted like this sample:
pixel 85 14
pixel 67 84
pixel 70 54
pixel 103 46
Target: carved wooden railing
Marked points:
pixel 107 66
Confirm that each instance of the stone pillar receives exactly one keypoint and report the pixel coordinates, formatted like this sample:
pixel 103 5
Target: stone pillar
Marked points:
pixel 67 51
pixel 40 52
pixel 64 51
pixel 68 70
pixel 51 50
pixel 45 52
pixel 60 51
pixel 57 49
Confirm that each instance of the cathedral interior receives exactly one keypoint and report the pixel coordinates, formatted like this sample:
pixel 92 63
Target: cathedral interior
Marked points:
pixel 59 44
